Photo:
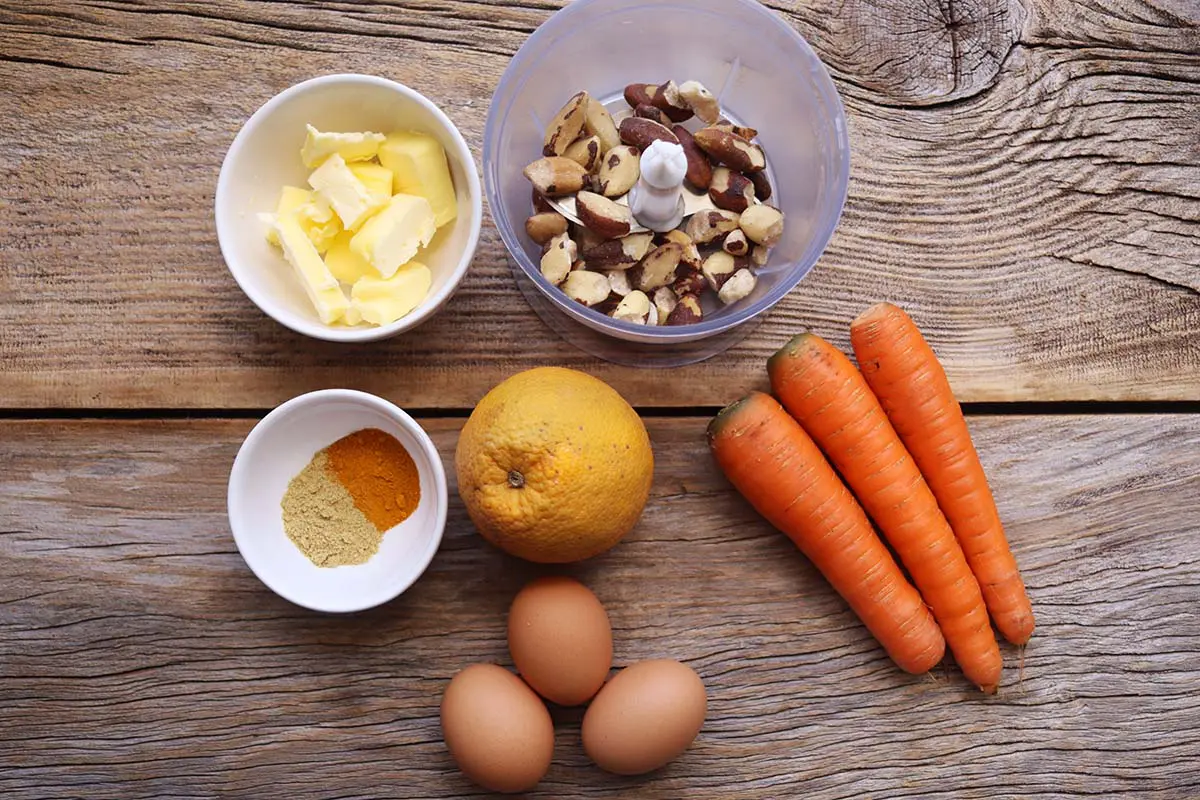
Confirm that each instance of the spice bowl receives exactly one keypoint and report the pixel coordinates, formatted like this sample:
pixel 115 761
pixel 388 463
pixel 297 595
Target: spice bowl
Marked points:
pixel 265 156
pixel 279 447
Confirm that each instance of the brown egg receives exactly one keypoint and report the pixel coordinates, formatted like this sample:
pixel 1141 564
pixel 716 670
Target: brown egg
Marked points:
pixel 498 731
pixel 647 715
pixel 560 639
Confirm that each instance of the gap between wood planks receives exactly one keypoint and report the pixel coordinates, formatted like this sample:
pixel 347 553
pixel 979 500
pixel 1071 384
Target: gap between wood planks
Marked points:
pixel 997 409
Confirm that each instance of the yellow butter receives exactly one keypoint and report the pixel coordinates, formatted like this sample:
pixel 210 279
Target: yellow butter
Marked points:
pixel 320 145
pixel 319 222
pixel 318 282
pixel 337 185
pixel 346 265
pixel 394 235
pixel 384 300
pixel 290 198
pixel 418 165
pixel 352 316
pixel 377 179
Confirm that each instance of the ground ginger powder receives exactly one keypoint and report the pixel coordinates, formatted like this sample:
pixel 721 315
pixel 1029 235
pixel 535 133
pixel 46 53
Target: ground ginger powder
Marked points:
pixel 340 505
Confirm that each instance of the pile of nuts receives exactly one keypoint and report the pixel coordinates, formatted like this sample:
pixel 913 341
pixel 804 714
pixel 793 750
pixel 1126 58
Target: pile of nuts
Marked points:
pixel 648 278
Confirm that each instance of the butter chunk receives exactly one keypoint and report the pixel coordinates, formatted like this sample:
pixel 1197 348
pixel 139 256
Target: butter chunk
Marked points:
pixel 385 300
pixel 377 179
pixel 418 164
pixel 318 282
pixel 319 221
pixel 319 145
pixel 345 264
pixel 338 186
pixel 290 198
pixel 394 235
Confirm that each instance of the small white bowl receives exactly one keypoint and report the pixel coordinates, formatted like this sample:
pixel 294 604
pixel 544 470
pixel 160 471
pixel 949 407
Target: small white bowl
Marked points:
pixel 265 156
pixel 277 449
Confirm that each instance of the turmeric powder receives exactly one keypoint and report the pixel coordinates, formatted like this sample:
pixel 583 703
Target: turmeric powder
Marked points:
pixel 379 474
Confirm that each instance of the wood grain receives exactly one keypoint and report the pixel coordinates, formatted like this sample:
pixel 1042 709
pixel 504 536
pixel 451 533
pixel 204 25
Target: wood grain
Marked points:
pixel 140 658
pixel 1024 182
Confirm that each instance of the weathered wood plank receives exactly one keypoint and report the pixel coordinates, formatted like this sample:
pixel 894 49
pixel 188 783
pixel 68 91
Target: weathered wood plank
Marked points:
pixel 139 657
pixel 1024 181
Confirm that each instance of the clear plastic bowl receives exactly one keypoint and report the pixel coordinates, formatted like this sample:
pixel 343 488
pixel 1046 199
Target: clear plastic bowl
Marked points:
pixel 764 75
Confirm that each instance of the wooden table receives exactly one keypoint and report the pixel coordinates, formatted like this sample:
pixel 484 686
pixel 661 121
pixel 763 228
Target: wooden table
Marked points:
pixel 1025 181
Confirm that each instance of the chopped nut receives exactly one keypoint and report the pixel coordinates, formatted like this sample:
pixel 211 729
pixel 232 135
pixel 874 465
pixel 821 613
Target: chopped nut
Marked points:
pixel 657 268
pixel 730 190
pixel 598 122
pixel 588 288
pixel 763 224
pixel 700 100
pixel 540 204
pixel 640 94
pixel 635 307
pixel 566 126
pixel 699 169
pixel 691 253
pixel 759 255
pixel 620 253
pixel 667 98
pixel 665 301
pixel 730 149
pixel 762 186
pixel 557 260
pixel 689 281
pixel 602 216
pixel 641 132
pixel 686 312
pixel 585 152
pixel 646 111
pixel 706 226
pixel 545 226
pixel 735 243
pixel 619 171
pixel 618 282
pixel 718 268
pixel 586 240
pixel 555 176
pixel 739 285
pixel 741 130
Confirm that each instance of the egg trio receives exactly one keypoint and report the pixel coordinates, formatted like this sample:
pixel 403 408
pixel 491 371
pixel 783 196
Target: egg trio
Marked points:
pixel 497 727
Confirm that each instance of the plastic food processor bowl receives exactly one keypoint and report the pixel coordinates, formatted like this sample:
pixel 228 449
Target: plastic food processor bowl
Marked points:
pixel 763 73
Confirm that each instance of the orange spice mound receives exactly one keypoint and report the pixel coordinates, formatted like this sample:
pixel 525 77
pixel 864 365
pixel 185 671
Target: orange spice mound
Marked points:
pixel 379 474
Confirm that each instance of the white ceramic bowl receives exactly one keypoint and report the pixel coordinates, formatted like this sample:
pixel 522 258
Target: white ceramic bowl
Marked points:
pixel 277 449
pixel 265 156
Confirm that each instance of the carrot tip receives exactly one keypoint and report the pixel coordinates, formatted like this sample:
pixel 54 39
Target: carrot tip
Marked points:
pixel 718 423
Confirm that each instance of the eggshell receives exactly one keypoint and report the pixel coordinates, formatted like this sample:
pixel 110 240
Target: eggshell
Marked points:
pixel 498 731
pixel 647 715
pixel 560 639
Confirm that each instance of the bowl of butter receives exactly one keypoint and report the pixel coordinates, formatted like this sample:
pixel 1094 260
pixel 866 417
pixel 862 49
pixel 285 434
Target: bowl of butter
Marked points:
pixel 348 208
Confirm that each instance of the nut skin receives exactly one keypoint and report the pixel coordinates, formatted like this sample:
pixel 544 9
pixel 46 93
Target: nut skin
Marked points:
pixel 619 254
pixel 566 126
pixel 718 268
pixel 731 191
pixel 762 186
pixel 602 216
pixel 665 301
pixel 587 288
pixel 691 253
pixel 736 243
pixel 699 168
pixel 689 281
pixel 641 132
pixel 666 98
pixel 738 286
pixel 650 112
pixel 540 204
pixel 619 171
pixel 558 258
pixel 686 312
pixel 598 122
pixel 544 226
pixel 707 226
pixel 763 224
pixel 555 176
pixel 585 152
pixel 640 94
pixel 741 130
pixel 658 268
pixel 635 307
pixel 700 100
pixel 730 149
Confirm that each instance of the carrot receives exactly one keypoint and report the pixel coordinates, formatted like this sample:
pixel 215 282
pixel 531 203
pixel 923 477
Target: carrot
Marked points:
pixel 778 468
pixel 821 388
pixel 911 385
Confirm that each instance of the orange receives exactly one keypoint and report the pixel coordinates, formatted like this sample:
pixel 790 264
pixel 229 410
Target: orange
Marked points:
pixel 554 466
